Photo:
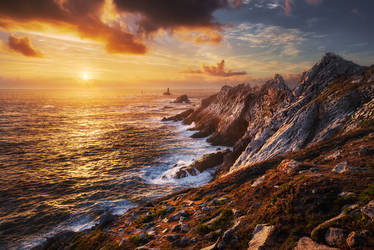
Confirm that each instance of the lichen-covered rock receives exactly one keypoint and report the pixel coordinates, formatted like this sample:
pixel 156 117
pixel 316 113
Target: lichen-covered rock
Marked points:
pixel 306 243
pixel 261 233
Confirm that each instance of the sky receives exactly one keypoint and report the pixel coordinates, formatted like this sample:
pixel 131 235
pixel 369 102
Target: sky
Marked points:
pixel 176 44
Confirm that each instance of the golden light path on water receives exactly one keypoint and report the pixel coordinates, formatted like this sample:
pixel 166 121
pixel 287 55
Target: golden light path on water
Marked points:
pixel 69 157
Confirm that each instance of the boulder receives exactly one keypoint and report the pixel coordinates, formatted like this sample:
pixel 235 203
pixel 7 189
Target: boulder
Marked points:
pixel 288 166
pixel 178 215
pixel 306 243
pixel 341 167
pixel 369 210
pixel 334 236
pixel 261 234
pixel 182 99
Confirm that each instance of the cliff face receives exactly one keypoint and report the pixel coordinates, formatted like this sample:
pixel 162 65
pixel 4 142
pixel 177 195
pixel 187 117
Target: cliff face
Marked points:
pixel 264 122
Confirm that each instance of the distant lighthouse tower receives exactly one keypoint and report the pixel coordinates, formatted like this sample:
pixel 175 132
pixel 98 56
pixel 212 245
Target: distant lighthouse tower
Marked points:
pixel 167 92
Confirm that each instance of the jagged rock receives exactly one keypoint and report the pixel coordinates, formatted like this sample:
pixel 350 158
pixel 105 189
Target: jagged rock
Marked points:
pixel 306 243
pixel 355 240
pixel 288 166
pixel 228 236
pixel 258 181
pixel 260 235
pixel 334 236
pixel 369 209
pixel 178 117
pixel 182 99
pixel 178 215
pixel 323 104
pixel 204 163
pixel 341 167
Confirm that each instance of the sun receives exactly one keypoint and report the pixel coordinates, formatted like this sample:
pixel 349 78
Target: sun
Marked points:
pixel 85 76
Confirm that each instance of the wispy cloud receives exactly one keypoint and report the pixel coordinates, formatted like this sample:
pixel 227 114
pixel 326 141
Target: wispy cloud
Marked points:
pixel 269 37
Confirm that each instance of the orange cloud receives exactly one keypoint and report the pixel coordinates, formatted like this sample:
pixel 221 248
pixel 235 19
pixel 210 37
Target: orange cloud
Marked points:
pixel 23 46
pixel 215 70
pixel 121 25
pixel 288 7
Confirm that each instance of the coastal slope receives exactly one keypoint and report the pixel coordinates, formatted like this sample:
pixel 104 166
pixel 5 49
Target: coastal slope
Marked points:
pixel 300 175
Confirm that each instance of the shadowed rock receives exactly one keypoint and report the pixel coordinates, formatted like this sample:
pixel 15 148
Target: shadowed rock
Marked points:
pixel 182 99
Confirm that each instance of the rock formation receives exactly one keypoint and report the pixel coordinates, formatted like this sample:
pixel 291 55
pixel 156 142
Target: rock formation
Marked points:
pixel 334 96
pixel 182 99
pixel 300 175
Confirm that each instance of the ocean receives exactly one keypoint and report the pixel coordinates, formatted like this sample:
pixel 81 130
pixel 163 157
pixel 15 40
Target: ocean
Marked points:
pixel 69 157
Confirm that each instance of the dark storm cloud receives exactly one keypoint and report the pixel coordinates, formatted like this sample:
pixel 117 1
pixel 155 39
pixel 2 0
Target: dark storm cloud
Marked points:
pixel 215 70
pixel 23 46
pixel 167 14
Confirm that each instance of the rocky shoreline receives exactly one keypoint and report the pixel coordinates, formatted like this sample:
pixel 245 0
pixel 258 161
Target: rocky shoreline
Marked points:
pixel 300 175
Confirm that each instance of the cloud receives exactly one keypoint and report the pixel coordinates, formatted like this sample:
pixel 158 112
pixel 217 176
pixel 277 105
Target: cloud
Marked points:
pixel 23 46
pixel 122 26
pixel 215 70
pixel 171 14
pixel 288 5
pixel 80 17
pixel 268 37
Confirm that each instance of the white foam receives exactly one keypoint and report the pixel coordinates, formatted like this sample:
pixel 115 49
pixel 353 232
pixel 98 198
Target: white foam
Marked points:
pixel 189 150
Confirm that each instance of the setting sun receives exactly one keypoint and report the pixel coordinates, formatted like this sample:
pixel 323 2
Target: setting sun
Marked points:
pixel 85 76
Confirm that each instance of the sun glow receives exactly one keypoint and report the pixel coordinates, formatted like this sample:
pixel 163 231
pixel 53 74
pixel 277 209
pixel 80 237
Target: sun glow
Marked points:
pixel 85 76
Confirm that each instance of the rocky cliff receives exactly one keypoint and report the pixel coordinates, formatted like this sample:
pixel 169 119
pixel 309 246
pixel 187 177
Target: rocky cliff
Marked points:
pixel 264 122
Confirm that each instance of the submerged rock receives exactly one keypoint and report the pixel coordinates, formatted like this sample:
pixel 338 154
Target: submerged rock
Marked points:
pixel 261 233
